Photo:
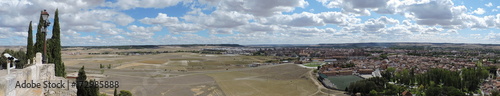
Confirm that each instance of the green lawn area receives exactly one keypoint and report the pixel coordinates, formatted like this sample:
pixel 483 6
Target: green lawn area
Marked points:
pixel 343 81
pixel 313 64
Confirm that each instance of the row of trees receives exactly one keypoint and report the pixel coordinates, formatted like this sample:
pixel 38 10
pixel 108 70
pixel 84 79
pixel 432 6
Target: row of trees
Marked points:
pixel 435 82
pixel 375 86
pixel 53 45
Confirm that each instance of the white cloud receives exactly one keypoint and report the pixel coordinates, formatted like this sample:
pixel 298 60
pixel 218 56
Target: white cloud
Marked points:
pixel 221 31
pixel 495 37
pixel 338 18
pixel 452 31
pixel 220 19
pixel 141 32
pixel 297 20
pixel 371 26
pixel 75 16
pixel 257 7
pixel 257 27
pixel 250 21
pixel 123 20
pixel 162 19
pixel 488 5
pixel 475 34
pixel 359 7
pixel 135 28
pixel 17 13
pixel 71 33
pixel 93 16
pixel 173 24
pixel 310 19
pixel 184 27
pixel 479 11
pixel 432 13
pixel 131 4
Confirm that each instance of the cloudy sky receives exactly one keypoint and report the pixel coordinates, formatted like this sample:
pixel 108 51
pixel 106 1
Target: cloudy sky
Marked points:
pixel 152 22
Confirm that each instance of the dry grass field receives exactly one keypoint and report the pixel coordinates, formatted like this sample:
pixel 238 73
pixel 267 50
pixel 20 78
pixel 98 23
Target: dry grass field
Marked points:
pixel 192 74
pixel 283 80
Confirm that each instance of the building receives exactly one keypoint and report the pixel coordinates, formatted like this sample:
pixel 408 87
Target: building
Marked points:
pixel 365 71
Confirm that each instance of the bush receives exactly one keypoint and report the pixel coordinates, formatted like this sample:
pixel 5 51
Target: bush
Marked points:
pixel 125 93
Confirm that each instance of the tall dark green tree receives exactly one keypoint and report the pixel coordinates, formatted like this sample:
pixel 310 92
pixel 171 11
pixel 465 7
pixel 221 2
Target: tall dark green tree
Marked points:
pixel 115 93
pixel 39 36
pixel 80 87
pixel 125 93
pixel 93 90
pixel 84 87
pixel 55 47
pixel 29 48
pixel 49 51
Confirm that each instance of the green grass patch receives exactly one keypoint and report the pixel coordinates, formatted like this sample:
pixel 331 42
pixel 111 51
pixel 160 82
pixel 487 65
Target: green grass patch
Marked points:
pixel 180 59
pixel 343 81
pixel 313 64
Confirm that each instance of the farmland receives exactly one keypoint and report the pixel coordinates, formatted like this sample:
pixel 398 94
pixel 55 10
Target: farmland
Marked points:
pixel 187 73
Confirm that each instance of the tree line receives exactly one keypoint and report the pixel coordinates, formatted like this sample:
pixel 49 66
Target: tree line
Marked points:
pixel 434 82
pixel 53 45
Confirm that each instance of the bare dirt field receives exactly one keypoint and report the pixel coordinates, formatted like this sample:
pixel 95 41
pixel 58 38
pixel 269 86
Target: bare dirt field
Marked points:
pixel 283 80
pixel 193 74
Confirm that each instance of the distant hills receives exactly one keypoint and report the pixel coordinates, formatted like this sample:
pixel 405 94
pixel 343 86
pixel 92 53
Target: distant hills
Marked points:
pixel 153 46
pixel 334 45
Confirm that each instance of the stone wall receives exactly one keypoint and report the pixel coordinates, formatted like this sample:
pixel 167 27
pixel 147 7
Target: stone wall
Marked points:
pixel 37 72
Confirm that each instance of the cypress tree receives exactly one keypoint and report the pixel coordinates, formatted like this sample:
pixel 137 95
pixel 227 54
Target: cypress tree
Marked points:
pixel 94 90
pixel 39 37
pixel 80 86
pixel 55 49
pixel 29 47
pixel 115 93
pixel 50 50
pixel 84 87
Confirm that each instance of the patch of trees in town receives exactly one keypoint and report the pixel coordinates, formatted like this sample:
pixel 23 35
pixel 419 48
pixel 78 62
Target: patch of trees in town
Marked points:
pixel 20 55
pixel 434 82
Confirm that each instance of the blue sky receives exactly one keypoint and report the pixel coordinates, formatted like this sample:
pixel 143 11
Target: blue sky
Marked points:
pixel 160 22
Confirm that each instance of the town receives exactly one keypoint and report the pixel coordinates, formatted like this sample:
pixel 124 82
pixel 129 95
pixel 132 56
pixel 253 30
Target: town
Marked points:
pixel 337 67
